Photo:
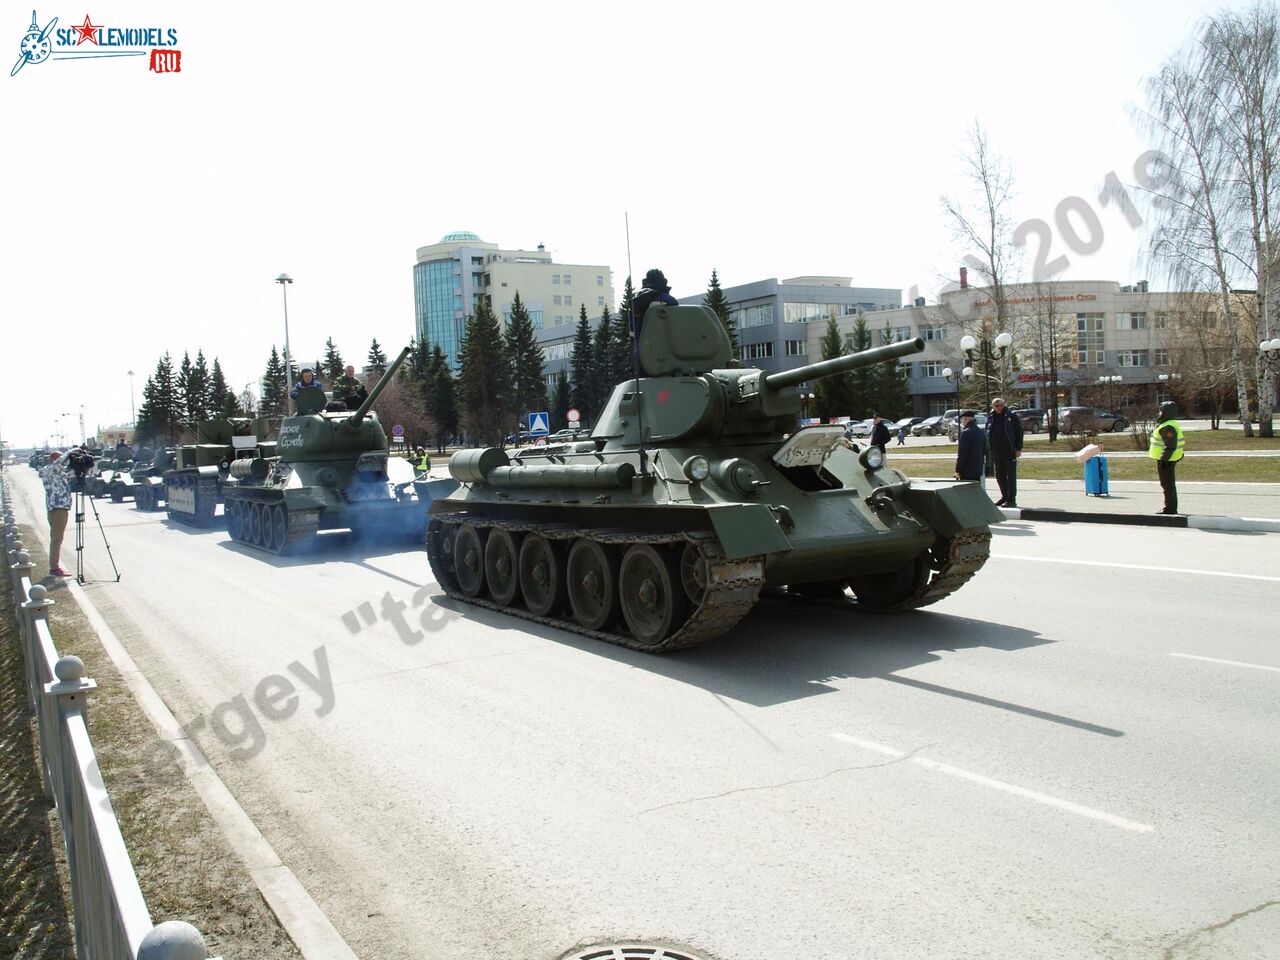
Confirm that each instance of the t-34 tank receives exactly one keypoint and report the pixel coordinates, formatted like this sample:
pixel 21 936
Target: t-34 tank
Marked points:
pixel 99 485
pixel 144 483
pixel 667 543
pixel 202 469
pixel 331 471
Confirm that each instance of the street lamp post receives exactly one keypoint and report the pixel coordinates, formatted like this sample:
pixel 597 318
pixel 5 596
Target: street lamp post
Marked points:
pixel 807 397
pixel 132 409
pixel 951 376
pixel 284 280
pixel 982 350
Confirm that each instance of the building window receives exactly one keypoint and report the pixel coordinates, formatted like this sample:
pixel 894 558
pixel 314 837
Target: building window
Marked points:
pixel 1160 358
pixel 568 279
pixel 599 279
pixel 797 348
pixel 477 279
pixel 555 278
pixel 1160 321
pixel 931 368
pixel 757 351
pixel 1090 340
pixel 477 261
pixel 895 335
pixel 600 300
pixel 568 297
pixel 757 316
pixel 555 300
pixel 933 333
pixel 536 316
pixel 1131 321
pixel 1131 358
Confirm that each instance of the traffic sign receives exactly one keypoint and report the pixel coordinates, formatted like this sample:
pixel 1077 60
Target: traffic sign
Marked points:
pixel 538 424
pixel 573 416
pixel 397 431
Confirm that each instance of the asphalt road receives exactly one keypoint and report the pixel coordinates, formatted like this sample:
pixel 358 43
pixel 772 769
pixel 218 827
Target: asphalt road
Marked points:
pixel 1073 757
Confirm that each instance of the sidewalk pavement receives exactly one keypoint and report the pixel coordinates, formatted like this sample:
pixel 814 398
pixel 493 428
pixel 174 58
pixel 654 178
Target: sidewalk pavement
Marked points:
pixel 1213 506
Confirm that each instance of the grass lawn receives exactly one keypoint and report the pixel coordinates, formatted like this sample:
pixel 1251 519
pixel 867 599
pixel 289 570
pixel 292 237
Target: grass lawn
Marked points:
pixel 1221 469
pixel 1196 440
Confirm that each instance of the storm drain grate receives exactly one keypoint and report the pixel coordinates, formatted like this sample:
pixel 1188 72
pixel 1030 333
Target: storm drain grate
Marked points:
pixel 633 951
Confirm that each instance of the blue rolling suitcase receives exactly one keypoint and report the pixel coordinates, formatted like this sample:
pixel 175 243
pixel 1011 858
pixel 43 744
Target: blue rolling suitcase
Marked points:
pixel 1095 477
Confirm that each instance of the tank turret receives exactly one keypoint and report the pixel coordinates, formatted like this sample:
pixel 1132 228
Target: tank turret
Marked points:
pixel 331 469
pixel 694 491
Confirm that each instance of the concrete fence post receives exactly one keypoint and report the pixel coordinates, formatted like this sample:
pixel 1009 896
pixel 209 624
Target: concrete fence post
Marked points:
pixel 173 940
pixel 34 612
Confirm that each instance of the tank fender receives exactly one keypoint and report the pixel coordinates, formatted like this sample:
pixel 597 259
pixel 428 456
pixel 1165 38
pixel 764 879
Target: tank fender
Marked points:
pixel 950 506
pixel 747 529
pixel 303 498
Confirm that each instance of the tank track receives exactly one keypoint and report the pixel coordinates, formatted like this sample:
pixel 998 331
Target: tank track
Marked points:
pixel 301 528
pixel 732 588
pixel 206 496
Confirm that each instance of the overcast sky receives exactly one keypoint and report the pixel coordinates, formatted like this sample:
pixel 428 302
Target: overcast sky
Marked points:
pixel 149 212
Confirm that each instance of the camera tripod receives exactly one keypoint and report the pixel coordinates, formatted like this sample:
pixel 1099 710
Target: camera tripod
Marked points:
pixel 78 490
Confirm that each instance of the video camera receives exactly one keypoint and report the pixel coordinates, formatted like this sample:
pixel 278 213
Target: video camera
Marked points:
pixel 81 462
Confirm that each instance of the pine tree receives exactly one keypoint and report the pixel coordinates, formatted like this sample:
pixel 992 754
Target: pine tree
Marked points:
pixel 862 401
pixel 144 423
pixel 833 396
pixel 528 385
pixel 377 359
pixel 419 360
pixel 716 300
pixel 580 365
pixel 164 405
pixel 623 366
pixel 332 367
pixel 198 389
pixel 893 384
pixel 218 391
pixel 183 384
pixel 484 384
pixel 602 360
pixel 274 398
pixel 438 394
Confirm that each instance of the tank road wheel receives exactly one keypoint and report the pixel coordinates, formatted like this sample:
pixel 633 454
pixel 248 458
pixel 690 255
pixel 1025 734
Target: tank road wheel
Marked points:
pixel 231 513
pixel 593 585
pixel 693 573
pixel 542 579
pixel 142 498
pixel 279 526
pixel 441 539
pixel 255 524
pixel 502 565
pixel 269 541
pixel 651 593
pixel 117 494
pixel 468 560
pixel 884 591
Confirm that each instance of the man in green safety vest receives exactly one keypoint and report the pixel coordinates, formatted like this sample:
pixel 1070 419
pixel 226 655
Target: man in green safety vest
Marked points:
pixel 1166 449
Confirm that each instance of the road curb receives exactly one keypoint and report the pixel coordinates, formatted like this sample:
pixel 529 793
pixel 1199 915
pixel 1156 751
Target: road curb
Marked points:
pixel 1235 524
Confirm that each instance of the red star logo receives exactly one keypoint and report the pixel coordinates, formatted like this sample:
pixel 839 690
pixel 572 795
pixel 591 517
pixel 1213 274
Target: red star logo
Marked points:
pixel 664 396
pixel 87 31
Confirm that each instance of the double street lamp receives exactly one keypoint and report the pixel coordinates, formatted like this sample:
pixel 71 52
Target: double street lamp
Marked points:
pixel 988 352
pixel 806 396
pixel 1111 389
pixel 284 280
pixel 951 376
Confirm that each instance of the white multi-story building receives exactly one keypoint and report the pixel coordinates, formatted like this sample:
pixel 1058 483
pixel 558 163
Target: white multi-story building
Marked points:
pixel 451 276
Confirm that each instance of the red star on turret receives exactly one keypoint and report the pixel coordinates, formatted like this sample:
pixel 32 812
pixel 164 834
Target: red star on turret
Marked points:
pixel 87 31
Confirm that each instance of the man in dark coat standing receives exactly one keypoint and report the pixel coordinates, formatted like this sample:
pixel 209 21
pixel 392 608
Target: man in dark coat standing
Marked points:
pixel 879 433
pixel 1004 430
pixel 972 448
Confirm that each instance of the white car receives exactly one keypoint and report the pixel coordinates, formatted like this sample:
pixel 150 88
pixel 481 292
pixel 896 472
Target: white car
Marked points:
pixel 860 428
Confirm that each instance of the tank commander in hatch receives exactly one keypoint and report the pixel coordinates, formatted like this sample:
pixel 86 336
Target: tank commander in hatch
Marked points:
pixel 348 388
pixel 655 290
pixel 308 380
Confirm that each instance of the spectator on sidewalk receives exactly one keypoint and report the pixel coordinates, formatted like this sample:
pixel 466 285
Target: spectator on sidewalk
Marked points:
pixel 1004 430
pixel 902 436
pixel 972 448
pixel 1166 449
pixel 56 478
pixel 879 432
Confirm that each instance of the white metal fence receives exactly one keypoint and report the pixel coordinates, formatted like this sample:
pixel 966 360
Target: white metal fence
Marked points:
pixel 110 915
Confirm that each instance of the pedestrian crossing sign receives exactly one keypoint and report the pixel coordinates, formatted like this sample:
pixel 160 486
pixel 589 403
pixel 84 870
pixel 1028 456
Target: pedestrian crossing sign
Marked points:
pixel 538 424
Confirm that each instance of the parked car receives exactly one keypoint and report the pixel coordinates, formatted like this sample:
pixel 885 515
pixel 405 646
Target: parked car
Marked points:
pixel 858 429
pixel 953 432
pixel 927 427
pixel 906 423
pixel 948 418
pixel 563 436
pixel 1033 419
pixel 1090 420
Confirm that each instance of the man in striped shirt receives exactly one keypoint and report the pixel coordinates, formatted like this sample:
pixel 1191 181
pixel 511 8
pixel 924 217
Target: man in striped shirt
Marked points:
pixel 57 497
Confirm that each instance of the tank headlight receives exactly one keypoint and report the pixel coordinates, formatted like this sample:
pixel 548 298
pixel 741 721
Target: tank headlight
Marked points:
pixel 697 469
pixel 872 458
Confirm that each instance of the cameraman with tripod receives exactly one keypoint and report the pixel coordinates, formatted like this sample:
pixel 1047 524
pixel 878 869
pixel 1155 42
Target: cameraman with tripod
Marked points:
pixel 57 497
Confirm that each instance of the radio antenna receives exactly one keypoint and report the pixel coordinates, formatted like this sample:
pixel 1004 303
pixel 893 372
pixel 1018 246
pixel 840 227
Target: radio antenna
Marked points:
pixel 635 346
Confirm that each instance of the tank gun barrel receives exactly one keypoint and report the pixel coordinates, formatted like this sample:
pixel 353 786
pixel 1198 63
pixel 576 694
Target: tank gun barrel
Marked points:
pixel 838 365
pixel 363 410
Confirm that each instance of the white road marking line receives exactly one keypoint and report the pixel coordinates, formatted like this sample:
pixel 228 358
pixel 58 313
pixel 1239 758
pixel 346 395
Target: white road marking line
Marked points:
pixel 1139 566
pixel 1067 805
pixel 1230 663
pixel 868 745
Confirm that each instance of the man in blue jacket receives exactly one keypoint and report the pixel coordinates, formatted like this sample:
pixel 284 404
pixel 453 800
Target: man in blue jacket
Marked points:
pixel 971 450
pixel 1004 431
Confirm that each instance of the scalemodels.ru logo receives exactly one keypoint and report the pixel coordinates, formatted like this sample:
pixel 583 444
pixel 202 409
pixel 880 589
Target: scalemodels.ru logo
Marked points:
pixel 90 41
